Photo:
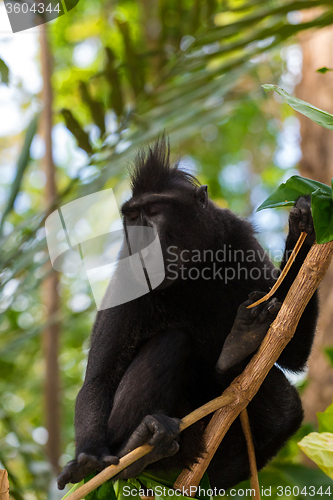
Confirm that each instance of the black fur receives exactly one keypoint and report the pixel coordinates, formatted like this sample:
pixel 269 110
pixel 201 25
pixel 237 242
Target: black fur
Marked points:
pixel 153 173
pixel 157 354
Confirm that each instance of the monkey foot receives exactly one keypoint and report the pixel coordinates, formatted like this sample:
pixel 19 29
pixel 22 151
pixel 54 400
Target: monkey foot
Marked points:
pixel 158 431
pixel 248 331
pixel 84 464
pixel 300 219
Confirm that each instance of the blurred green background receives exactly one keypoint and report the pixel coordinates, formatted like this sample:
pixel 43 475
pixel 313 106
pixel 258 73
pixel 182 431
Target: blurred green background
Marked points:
pixel 122 72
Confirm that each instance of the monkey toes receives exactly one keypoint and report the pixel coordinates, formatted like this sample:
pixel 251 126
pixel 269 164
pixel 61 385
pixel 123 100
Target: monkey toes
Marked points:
pixel 85 464
pixel 158 431
pixel 248 331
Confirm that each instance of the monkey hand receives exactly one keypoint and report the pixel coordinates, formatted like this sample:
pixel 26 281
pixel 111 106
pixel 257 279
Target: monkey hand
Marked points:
pixel 158 431
pixel 300 219
pixel 84 464
pixel 248 331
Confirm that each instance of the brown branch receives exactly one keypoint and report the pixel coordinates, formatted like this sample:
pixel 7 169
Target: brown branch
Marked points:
pixel 246 385
pixel 286 268
pixel 4 485
pixel 244 418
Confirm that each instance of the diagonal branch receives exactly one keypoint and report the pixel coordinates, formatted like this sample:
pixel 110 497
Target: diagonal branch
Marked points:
pixel 246 385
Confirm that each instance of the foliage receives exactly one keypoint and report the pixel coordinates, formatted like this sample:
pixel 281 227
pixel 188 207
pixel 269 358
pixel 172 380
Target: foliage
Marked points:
pixel 315 114
pixel 321 194
pixel 325 420
pixel 286 477
pixel 324 70
pixel 160 485
pixel 321 203
pixel 4 72
pixel 291 481
pixel 319 445
pixel 22 164
pixel 329 353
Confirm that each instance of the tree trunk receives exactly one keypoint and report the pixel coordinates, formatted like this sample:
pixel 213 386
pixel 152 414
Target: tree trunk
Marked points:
pixel 317 163
pixel 50 294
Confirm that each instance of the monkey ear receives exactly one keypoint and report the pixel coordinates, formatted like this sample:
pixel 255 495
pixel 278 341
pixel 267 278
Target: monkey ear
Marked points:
pixel 202 196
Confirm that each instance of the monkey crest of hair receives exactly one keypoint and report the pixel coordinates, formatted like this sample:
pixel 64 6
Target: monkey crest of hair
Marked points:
pixel 152 172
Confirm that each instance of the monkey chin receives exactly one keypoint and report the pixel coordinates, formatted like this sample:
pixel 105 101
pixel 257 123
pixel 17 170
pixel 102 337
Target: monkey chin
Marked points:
pixel 166 283
pixel 155 280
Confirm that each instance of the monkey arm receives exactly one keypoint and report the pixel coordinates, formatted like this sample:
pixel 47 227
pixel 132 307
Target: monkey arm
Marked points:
pixel 297 351
pixel 107 362
pixel 92 410
pixel 93 407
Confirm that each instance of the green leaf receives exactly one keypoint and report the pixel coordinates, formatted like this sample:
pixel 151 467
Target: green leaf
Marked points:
pixel 161 490
pixel 166 478
pixel 322 213
pixel 105 491
pixel 22 165
pixel 134 482
pixel 119 489
pixel 73 488
pixel 96 108
pixel 315 114
pixel 321 203
pixel 205 486
pixel 319 447
pixel 165 482
pixel 113 78
pixel 74 126
pixel 4 72
pixel 288 192
pixel 325 419
pixel 133 63
pixel 329 352
pixel 324 70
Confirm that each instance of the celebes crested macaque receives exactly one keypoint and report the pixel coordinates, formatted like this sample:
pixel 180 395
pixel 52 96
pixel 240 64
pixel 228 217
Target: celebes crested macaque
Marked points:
pixel 157 358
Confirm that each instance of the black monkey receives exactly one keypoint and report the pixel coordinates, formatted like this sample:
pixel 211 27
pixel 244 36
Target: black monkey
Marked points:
pixel 156 358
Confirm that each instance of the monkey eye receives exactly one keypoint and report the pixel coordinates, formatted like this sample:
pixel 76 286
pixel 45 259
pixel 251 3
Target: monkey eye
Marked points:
pixel 132 216
pixel 153 210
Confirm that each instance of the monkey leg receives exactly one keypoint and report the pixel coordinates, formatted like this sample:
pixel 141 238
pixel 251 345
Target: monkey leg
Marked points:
pixel 152 391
